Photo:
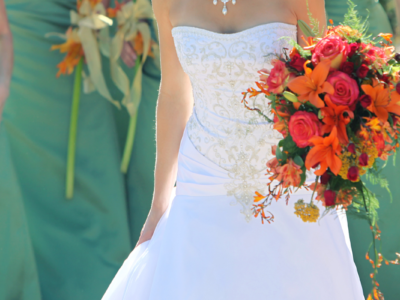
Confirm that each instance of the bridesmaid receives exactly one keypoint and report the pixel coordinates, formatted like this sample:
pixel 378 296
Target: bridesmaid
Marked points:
pixel 18 273
pixel 79 244
pixel 359 230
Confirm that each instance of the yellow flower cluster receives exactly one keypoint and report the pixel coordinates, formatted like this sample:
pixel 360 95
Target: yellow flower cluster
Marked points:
pixel 372 154
pixel 307 212
pixel 346 159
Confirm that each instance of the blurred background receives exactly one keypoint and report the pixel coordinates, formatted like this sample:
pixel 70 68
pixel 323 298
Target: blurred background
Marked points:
pixel 55 248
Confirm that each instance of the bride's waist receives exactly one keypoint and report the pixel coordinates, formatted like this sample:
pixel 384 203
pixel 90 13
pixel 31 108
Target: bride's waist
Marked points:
pixel 222 173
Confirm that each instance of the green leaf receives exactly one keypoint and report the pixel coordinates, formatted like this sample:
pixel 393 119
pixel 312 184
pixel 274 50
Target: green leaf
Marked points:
pixel 298 161
pixel 306 29
pixel 281 156
pixel 303 175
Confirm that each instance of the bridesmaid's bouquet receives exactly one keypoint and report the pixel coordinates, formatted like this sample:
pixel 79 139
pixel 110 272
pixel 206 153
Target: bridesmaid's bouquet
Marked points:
pixel 336 103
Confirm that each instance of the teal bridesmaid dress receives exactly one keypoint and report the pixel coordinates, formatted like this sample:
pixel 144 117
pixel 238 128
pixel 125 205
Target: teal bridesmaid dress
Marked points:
pixel 66 249
pixel 360 234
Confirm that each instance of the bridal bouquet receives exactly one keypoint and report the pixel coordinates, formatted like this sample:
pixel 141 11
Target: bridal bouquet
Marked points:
pixel 336 103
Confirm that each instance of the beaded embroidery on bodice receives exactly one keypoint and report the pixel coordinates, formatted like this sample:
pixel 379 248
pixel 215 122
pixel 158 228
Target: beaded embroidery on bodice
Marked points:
pixel 221 67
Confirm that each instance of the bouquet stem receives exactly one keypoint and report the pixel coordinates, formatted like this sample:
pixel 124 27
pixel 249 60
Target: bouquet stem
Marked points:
pixel 70 172
pixel 126 157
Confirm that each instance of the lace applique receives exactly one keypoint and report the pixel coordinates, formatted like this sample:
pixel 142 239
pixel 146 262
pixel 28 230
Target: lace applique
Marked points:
pixel 221 67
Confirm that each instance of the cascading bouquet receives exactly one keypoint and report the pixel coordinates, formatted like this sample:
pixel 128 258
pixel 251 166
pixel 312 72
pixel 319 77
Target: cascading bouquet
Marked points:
pixel 336 103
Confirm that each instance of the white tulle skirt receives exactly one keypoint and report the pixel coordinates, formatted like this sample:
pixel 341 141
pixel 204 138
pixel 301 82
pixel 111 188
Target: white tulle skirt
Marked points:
pixel 203 249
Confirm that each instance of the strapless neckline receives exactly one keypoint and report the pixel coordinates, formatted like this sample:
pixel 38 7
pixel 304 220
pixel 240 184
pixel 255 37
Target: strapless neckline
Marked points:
pixel 251 30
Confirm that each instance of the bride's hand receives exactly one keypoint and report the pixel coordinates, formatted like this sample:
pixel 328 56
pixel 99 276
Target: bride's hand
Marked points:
pixel 150 225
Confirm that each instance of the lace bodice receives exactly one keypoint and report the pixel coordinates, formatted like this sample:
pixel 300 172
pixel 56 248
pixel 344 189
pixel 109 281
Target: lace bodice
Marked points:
pixel 221 67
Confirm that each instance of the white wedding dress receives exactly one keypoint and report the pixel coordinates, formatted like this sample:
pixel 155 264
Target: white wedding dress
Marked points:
pixel 208 246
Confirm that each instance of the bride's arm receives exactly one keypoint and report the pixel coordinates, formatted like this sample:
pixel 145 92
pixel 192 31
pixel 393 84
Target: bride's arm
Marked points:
pixel 174 108
pixel 317 9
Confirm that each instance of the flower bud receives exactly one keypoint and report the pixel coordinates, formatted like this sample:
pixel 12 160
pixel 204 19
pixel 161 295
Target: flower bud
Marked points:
pixel 352 148
pixel 352 174
pixel 330 197
pixel 325 178
pixel 290 96
pixel 365 100
pixel 363 159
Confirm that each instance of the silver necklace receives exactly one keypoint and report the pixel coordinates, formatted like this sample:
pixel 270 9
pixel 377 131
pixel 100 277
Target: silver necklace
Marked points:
pixel 224 10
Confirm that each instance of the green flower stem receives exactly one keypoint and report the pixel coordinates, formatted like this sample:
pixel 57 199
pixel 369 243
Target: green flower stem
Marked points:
pixel 126 157
pixel 70 173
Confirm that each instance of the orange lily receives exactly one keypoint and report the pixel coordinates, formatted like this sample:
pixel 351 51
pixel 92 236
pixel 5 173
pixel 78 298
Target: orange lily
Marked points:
pixel 383 101
pixel 336 116
pixel 311 84
pixel 325 152
pixel 74 50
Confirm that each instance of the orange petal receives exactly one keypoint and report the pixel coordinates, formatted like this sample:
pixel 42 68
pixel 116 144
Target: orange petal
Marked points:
pixel 316 100
pixel 321 72
pixel 300 85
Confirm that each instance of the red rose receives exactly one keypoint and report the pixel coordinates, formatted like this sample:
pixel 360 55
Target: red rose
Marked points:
pixel 331 47
pixel 398 88
pixel 330 197
pixel 325 178
pixel 303 126
pixel 297 62
pixel 365 100
pixel 384 78
pixel 352 174
pixel 347 67
pixel 362 71
pixel 275 79
pixel 352 148
pixel 353 47
pixel 363 159
pixel 346 89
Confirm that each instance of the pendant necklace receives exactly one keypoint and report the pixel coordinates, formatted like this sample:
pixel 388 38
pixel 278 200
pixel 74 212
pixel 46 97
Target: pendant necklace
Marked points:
pixel 224 10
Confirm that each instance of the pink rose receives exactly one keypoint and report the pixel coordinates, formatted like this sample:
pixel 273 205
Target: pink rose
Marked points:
pixel 346 89
pixel 331 47
pixel 303 126
pixel 277 77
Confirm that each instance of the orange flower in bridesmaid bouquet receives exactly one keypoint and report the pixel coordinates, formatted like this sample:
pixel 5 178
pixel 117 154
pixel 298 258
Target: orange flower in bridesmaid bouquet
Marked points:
pixel 138 45
pixel 92 3
pixel 325 153
pixel 74 50
pixel 112 12
pixel 313 83
pixel 336 116
pixel 383 101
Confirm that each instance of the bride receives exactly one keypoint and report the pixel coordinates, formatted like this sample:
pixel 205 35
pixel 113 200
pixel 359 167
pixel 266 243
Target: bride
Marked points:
pixel 205 244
